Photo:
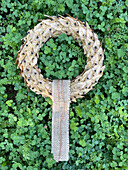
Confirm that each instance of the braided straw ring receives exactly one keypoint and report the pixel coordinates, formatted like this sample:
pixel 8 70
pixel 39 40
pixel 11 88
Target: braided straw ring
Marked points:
pixel 52 27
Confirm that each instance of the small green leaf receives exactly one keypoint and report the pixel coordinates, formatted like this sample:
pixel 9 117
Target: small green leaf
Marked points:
pixel 113 164
pixel 82 143
pixel 9 102
pixel 48 100
pixel 47 50
pixel 118 20
pixel 120 53
pixel 78 111
pixel 97 99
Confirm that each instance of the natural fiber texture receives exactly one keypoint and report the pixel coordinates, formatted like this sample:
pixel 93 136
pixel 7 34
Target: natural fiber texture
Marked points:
pixel 48 28
pixel 60 119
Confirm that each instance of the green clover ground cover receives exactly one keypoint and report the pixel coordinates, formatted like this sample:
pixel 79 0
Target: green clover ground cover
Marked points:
pixel 98 122
pixel 60 58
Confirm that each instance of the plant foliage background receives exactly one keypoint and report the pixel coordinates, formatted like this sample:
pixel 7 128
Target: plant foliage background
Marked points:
pixel 98 122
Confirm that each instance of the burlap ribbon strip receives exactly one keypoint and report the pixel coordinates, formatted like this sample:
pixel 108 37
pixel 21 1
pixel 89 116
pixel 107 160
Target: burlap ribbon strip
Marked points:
pixel 60 119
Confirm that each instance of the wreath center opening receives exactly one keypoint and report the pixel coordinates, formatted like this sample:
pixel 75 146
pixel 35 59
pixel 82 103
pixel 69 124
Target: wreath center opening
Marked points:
pixel 61 58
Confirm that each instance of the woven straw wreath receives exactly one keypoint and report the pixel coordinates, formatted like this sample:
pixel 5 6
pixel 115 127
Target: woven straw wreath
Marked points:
pixel 29 53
